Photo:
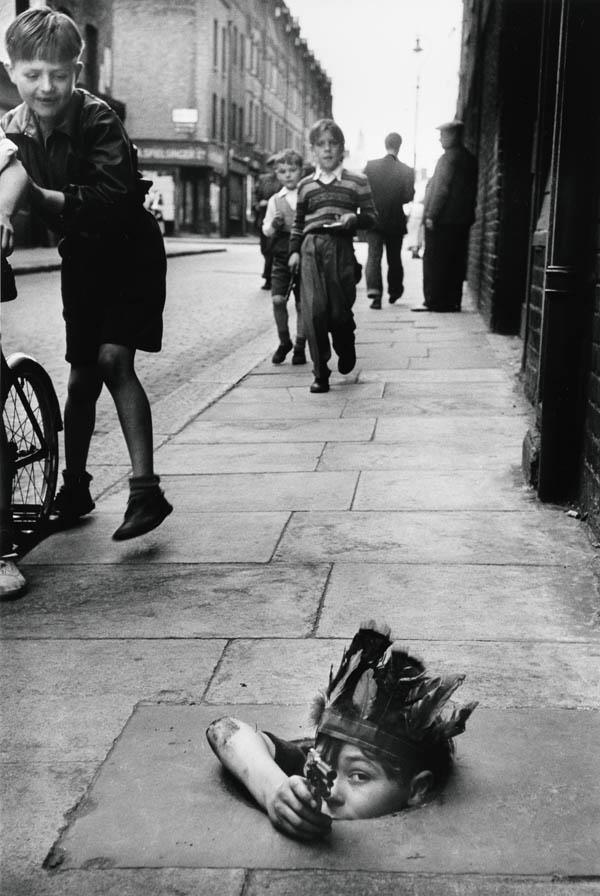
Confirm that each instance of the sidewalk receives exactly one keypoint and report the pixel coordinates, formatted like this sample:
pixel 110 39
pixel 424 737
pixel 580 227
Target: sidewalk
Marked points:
pixel 38 260
pixel 397 496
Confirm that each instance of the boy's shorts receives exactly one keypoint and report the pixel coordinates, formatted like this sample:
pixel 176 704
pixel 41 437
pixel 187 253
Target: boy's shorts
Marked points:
pixel 280 272
pixel 113 290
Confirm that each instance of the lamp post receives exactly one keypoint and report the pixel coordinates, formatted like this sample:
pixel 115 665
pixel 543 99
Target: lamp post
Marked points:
pixel 416 50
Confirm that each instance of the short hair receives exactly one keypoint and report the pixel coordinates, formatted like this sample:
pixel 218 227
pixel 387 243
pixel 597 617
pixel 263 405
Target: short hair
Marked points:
pixel 393 141
pixel 43 34
pixel 289 157
pixel 324 126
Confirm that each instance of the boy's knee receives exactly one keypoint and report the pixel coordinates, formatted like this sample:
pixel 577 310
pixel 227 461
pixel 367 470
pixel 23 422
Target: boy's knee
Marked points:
pixel 85 384
pixel 114 363
pixel 279 301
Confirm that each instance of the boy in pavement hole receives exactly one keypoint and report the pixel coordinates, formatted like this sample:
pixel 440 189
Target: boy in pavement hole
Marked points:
pixel 383 742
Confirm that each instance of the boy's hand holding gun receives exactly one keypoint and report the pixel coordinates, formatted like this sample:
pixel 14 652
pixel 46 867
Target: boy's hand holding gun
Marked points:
pixel 295 806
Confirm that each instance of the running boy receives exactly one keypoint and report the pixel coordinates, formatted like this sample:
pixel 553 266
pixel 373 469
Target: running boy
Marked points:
pixel 321 248
pixel 279 219
pixel 381 728
pixel 85 184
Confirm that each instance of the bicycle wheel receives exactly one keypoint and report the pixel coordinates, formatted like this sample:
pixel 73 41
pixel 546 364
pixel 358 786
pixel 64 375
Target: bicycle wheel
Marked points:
pixel 31 425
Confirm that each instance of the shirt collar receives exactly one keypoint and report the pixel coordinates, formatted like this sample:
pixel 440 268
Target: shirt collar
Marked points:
pixel 328 177
pixel 285 191
pixel 24 121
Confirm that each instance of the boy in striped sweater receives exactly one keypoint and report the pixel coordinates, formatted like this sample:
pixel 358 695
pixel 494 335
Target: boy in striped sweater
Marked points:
pixel 321 249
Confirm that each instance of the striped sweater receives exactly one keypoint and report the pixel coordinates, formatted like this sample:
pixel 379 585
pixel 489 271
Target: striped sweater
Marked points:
pixel 320 204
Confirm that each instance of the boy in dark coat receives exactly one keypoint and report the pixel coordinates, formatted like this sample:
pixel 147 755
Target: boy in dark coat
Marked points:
pixel 85 184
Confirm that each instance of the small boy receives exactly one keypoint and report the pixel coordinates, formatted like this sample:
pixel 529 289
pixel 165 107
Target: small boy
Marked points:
pixel 321 248
pixel 381 729
pixel 85 184
pixel 279 219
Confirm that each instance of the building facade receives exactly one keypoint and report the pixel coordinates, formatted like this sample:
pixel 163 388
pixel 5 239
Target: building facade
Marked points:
pixel 529 95
pixel 209 89
pixel 210 93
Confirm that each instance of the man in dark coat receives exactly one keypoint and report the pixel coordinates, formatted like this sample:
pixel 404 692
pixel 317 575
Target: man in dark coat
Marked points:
pixel 266 185
pixel 392 185
pixel 448 214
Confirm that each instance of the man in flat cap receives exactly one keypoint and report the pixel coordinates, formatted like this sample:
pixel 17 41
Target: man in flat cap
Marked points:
pixel 448 214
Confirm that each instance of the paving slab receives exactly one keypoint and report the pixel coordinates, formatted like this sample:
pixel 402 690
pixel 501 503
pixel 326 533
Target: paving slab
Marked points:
pixel 378 351
pixel 124 882
pixel 181 456
pixel 373 883
pixel 535 536
pixel 252 671
pixel 88 688
pixel 264 378
pixel 161 799
pixel 446 358
pixel 489 374
pixel 501 489
pixel 458 432
pixel 480 603
pixel 415 406
pixel 280 431
pixel 236 409
pixel 166 601
pixel 35 796
pixel 252 492
pixel 182 538
pixel 480 453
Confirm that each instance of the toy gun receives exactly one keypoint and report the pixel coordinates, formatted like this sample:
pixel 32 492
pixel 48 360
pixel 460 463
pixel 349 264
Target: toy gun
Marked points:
pixel 319 775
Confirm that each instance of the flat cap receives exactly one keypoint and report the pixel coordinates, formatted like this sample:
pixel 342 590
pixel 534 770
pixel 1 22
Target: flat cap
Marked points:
pixel 451 125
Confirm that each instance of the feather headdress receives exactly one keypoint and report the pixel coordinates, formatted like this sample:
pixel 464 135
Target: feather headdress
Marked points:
pixel 383 699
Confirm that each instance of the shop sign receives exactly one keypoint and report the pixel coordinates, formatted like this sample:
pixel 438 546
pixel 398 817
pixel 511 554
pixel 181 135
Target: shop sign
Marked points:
pixel 183 153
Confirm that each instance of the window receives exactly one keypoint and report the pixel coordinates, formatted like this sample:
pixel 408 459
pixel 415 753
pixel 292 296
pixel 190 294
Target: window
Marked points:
pixel 241 124
pixel 215 44
pixel 242 51
pixel 90 68
pixel 223 49
pixel 234 45
pixel 223 114
pixel 215 115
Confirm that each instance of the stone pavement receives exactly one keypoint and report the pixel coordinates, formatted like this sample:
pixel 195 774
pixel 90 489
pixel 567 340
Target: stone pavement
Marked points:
pixel 396 496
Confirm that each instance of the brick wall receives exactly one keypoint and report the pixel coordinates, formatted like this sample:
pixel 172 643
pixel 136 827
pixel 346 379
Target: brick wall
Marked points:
pixel 590 480
pixel 534 322
pixel 483 247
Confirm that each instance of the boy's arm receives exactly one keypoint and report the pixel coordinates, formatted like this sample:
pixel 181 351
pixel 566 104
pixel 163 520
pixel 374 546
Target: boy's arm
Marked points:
pixel 367 216
pixel 298 226
pixel 267 226
pixel 14 184
pixel 249 756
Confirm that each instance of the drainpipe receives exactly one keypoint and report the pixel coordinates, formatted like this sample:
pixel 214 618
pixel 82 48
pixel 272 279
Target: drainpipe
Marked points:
pixel 557 380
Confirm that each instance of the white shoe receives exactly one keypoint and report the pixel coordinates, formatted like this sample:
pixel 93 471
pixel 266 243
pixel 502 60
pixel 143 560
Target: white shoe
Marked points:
pixel 12 583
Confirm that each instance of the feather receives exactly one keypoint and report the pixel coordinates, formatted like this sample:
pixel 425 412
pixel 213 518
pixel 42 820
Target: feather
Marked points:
pixel 365 694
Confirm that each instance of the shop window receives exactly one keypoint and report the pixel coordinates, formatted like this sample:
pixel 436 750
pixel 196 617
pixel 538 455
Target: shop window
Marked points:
pixel 90 65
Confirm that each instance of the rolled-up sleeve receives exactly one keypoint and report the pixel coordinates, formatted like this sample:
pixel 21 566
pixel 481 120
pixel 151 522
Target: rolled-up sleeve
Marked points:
pixel 8 151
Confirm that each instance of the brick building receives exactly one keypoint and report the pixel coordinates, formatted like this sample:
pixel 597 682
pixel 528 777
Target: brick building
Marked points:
pixel 212 88
pixel 209 89
pixel 529 94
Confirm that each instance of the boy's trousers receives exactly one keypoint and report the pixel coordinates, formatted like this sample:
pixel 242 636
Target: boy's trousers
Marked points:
pixel 327 294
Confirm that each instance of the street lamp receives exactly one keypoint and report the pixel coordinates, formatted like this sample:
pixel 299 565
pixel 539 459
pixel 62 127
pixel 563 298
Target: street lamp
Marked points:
pixel 416 50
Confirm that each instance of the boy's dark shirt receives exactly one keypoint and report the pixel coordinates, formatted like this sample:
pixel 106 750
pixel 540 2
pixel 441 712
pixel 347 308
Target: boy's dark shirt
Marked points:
pixel 89 157
pixel 290 756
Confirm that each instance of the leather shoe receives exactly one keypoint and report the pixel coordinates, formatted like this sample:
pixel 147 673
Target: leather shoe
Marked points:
pixel 376 303
pixel 347 360
pixel 145 511
pixel 320 386
pixel 283 349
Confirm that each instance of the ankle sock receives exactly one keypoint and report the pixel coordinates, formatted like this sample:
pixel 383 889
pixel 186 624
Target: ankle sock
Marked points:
pixel 139 485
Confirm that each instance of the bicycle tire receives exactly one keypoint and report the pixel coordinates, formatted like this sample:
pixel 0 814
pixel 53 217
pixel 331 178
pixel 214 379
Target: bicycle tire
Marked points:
pixel 31 426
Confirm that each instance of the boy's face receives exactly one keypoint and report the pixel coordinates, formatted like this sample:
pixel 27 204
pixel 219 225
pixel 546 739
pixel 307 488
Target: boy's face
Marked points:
pixel 288 175
pixel 46 87
pixel 362 788
pixel 328 152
